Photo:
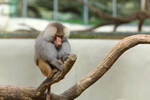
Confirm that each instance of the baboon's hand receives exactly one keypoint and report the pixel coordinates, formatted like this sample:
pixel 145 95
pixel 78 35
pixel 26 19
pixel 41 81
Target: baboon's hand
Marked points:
pixel 65 57
pixel 61 68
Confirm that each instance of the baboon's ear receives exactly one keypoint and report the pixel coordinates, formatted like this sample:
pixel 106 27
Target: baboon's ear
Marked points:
pixel 66 31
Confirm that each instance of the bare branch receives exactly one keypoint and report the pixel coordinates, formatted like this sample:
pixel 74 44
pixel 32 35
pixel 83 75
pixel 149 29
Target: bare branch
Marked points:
pixel 106 64
pixel 14 93
pixel 95 10
pixel 24 93
pixel 140 15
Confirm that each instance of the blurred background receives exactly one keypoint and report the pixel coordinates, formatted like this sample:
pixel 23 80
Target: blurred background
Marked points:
pixel 22 20
pixel 28 14
pixel 68 10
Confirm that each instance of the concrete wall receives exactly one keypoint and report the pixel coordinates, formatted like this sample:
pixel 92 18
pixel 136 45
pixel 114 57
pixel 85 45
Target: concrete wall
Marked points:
pixel 128 79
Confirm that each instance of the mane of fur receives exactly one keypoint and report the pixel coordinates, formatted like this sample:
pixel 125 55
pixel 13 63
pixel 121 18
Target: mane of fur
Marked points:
pixel 51 30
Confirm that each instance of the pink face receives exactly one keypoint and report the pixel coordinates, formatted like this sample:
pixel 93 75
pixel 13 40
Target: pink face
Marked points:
pixel 57 32
pixel 58 41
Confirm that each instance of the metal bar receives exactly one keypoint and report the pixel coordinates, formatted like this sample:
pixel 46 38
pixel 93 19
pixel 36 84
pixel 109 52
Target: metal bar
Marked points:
pixel 114 8
pixel 25 8
pixel 86 15
pixel 55 7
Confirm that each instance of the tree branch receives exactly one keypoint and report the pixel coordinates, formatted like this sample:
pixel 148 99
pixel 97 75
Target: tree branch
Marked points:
pixel 58 76
pixel 106 64
pixel 24 93
pixel 140 15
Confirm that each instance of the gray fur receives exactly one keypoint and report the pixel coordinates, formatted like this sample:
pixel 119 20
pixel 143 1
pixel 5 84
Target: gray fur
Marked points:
pixel 46 50
pixel 64 51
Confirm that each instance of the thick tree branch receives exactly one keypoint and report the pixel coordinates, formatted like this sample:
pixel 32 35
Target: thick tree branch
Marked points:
pixel 22 93
pixel 16 93
pixel 106 64
pixel 58 76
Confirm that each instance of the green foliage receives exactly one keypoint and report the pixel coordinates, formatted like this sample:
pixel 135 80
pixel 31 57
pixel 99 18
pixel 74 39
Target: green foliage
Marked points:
pixel 128 8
